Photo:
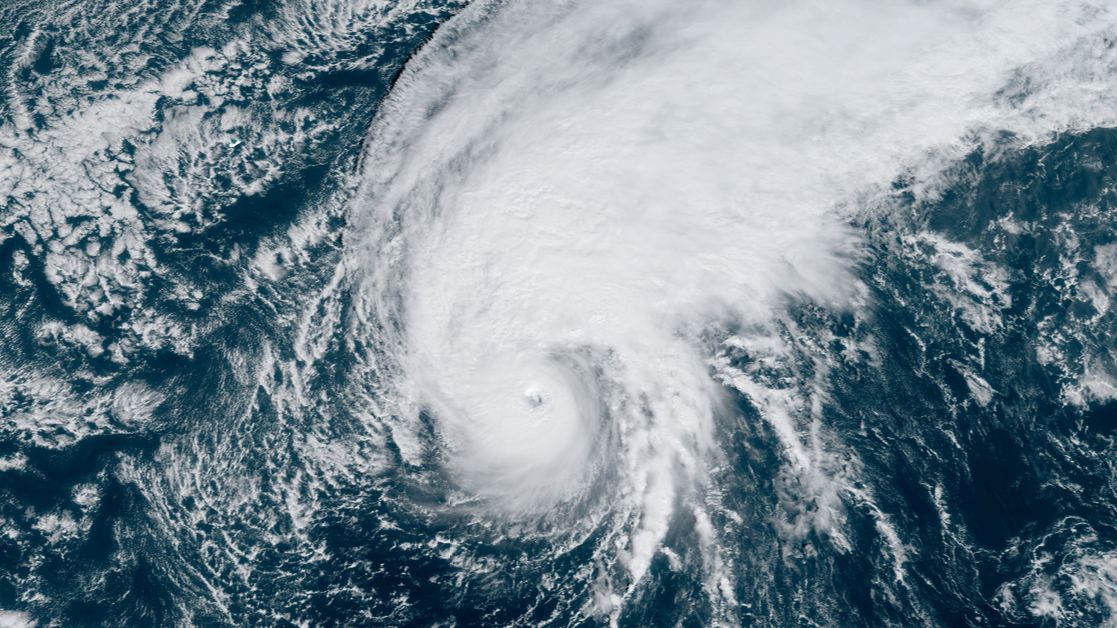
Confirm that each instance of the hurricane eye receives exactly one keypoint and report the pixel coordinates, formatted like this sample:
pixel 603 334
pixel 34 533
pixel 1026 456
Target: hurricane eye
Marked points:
pixel 534 398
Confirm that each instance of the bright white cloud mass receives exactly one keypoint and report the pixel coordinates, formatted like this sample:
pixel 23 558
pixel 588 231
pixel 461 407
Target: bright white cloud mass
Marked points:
pixel 571 204
pixel 558 312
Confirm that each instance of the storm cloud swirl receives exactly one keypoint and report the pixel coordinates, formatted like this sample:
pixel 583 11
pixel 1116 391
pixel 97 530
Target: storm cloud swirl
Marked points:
pixel 568 211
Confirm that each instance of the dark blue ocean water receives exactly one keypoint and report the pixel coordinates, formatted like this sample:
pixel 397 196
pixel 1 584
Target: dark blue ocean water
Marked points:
pixel 152 475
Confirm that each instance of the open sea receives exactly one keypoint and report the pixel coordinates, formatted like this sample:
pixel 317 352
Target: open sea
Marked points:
pixel 570 313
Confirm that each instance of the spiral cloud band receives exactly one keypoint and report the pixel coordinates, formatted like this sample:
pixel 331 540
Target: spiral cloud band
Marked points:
pixel 570 206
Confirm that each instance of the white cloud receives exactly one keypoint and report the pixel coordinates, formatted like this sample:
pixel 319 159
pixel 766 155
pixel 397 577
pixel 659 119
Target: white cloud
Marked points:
pixel 558 200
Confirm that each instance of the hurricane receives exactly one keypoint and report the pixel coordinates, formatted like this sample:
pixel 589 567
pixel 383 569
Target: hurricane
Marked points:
pixel 358 312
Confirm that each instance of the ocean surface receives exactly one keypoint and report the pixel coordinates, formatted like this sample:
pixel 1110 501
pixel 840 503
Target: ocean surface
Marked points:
pixel 508 313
